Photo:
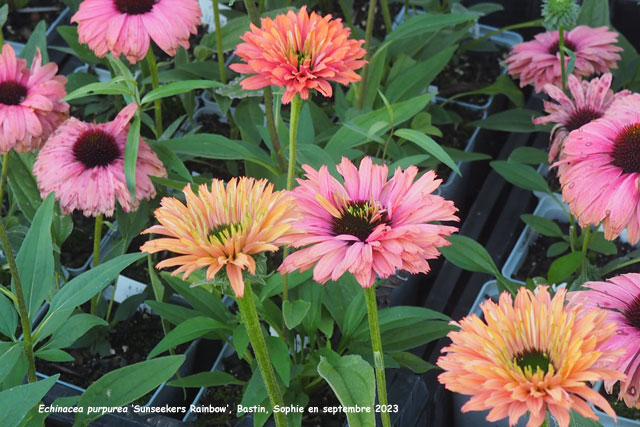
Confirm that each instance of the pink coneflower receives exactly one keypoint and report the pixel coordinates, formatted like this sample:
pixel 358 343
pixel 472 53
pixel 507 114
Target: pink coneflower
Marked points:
pixel 123 27
pixel 531 355
pixel 30 101
pixel 590 101
pixel 538 61
pixel 370 225
pixel 624 108
pixel 600 180
pixel 300 53
pixel 84 164
pixel 619 297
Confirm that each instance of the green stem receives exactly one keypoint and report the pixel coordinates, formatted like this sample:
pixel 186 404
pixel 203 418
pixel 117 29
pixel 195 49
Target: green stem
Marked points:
pixel 216 18
pixel 378 355
pixel 387 16
pixel 155 84
pixel 3 179
pixel 367 44
pixel 585 241
pixel 250 317
pixel 296 106
pixel 97 235
pixel 22 307
pixel 619 266
pixel 563 70
pixel 471 44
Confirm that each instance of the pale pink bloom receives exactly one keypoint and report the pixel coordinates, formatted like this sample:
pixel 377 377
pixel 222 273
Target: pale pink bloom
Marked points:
pixel 31 104
pixel 370 225
pixel 124 27
pixel 84 164
pixel 538 61
pixel 300 53
pixel 619 297
pixel 602 175
pixel 589 101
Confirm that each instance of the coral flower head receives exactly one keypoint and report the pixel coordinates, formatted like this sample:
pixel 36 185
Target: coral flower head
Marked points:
pixel 125 27
pixel 300 53
pixel 370 225
pixel 532 355
pixel 619 297
pixel 591 99
pixel 538 61
pixel 30 101
pixel 222 227
pixel 84 164
pixel 601 177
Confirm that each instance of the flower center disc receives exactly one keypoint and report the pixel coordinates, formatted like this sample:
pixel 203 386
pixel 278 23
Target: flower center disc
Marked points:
pixel 555 48
pixel 12 93
pixel 533 359
pixel 222 231
pixel 96 148
pixel 581 117
pixel 359 219
pixel 626 152
pixel 632 313
pixel 134 7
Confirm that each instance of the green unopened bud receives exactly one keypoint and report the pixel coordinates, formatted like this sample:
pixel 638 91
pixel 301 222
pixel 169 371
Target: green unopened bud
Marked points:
pixel 560 13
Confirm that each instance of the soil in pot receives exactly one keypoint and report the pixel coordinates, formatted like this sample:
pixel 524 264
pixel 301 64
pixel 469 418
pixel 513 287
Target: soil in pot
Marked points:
pixel 20 24
pixel 470 71
pixel 537 263
pixel 130 342
pixel 212 123
pixel 78 247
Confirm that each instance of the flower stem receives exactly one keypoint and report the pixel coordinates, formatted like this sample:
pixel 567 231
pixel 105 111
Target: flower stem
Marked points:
pixel 387 16
pixel 3 178
pixel 97 234
pixel 471 44
pixel 296 107
pixel 216 17
pixel 268 96
pixel 22 307
pixel 250 317
pixel 563 70
pixel 378 355
pixel 155 83
pixel 367 44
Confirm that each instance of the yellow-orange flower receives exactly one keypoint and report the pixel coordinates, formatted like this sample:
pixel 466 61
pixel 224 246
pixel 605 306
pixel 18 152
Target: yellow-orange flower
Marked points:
pixel 534 355
pixel 222 227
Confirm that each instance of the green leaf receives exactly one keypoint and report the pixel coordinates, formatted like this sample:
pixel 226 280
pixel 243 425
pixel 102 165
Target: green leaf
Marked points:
pixel 513 120
pixel 54 355
pixel 35 258
pixel 16 402
pixel 469 255
pixel 4 13
pixel 503 85
pixel 413 362
pixel 601 245
pixel 374 76
pixel 240 339
pixel 74 328
pixel 594 13
pixel 564 267
pixel 429 145
pixel 113 87
pixel 70 35
pixel 131 156
pixel 353 382
pixel 544 226
pixel 354 315
pixel 279 355
pixel 294 312
pixel 206 379
pixel 578 420
pixel 37 40
pixel 346 138
pixel 80 290
pixel 172 313
pixel 417 78
pixel 124 385
pixel 186 331
pixel 9 355
pixel 177 88
pixel 8 317
pixel 23 184
pixel 528 155
pixel 523 176
pixel 556 249
pixel 200 299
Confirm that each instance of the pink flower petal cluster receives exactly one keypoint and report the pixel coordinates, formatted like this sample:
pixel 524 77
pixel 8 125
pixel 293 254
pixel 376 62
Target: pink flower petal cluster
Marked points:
pixel 125 27
pixel 299 52
pixel 370 225
pixel 31 105
pixel 538 61
pixel 84 164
